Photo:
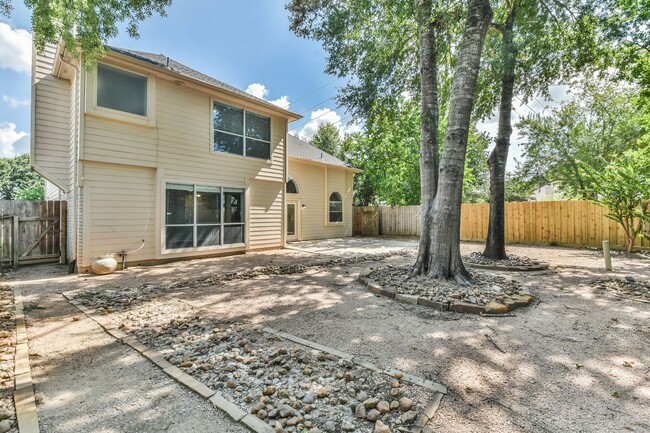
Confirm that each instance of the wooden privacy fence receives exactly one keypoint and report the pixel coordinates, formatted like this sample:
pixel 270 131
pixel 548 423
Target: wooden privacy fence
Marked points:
pixel 32 231
pixel 546 222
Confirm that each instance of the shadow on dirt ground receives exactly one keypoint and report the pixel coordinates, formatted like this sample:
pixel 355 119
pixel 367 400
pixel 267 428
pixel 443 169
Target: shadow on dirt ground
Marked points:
pixel 574 361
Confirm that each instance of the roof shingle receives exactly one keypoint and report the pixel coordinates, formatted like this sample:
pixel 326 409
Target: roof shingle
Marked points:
pixel 301 149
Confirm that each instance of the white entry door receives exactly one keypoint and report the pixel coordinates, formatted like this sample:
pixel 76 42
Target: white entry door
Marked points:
pixel 293 221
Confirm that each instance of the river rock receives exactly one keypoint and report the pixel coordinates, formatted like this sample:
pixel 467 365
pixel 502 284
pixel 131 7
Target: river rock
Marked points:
pixel 405 404
pixel 371 403
pixel 373 415
pixel 383 406
pixel 380 427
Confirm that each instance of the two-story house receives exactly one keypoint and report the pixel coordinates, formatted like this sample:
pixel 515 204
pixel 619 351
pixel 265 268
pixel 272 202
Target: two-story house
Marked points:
pixel 162 162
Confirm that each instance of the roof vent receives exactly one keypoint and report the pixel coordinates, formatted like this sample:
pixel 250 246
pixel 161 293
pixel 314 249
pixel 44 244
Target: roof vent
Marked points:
pixel 167 62
pixel 321 155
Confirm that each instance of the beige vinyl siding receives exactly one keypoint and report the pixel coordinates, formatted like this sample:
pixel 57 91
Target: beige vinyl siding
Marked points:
pixel 265 214
pixel 314 195
pixel 52 110
pixel 119 212
pixel 119 143
pixel 52 192
pixel 181 142
pixel 178 148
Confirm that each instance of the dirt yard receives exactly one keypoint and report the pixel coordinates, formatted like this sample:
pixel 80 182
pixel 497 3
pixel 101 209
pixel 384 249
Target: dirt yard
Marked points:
pixel 576 360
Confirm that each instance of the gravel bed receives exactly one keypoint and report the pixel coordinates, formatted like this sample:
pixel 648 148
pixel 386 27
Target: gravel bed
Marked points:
pixel 628 287
pixel 485 287
pixel 7 342
pixel 477 258
pixel 114 298
pixel 291 387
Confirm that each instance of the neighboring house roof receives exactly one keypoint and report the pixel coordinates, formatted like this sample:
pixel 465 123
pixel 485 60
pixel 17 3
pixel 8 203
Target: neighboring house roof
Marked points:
pixel 162 61
pixel 302 150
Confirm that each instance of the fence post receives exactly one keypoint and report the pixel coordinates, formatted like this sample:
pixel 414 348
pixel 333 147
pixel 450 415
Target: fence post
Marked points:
pixel 63 234
pixel 607 255
pixel 14 240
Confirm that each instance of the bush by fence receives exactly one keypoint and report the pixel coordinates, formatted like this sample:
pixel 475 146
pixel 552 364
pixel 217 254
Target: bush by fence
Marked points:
pixel 545 222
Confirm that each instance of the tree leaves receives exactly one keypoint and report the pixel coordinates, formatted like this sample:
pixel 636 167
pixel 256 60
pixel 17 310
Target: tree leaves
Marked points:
pixel 623 187
pixel 18 181
pixel 602 120
pixel 86 24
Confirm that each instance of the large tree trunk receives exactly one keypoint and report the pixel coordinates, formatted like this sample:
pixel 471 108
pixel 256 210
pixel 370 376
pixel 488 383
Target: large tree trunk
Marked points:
pixel 428 128
pixel 444 255
pixel 495 245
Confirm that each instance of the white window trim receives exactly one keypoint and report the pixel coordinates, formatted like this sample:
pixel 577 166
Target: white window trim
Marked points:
pixel 243 135
pixel 93 109
pixel 194 224
pixel 330 222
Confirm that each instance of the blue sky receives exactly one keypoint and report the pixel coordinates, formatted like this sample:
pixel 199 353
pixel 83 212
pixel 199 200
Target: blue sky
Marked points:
pixel 244 43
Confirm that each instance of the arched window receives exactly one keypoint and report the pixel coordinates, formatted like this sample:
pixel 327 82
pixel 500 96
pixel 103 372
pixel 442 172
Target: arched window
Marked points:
pixel 336 208
pixel 292 186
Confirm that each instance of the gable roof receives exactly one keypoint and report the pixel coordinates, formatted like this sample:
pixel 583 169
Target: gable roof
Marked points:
pixel 300 149
pixel 171 65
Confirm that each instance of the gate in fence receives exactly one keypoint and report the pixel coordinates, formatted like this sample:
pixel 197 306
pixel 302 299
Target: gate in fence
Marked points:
pixel 32 232
pixel 366 221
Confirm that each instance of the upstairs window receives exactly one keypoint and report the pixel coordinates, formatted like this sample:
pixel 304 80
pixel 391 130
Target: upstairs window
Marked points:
pixel 336 208
pixel 121 90
pixel 241 132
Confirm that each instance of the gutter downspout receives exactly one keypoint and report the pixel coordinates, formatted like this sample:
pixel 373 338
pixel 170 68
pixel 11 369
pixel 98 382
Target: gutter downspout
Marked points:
pixel 77 138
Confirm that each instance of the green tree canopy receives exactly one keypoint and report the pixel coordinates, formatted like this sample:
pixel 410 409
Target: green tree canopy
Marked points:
pixel 601 121
pixel 389 149
pixel 87 24
pixel 327 138
pixel 18 181
pixel 623 187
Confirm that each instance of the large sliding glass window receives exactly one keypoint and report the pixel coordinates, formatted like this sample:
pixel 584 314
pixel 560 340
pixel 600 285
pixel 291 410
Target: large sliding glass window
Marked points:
pixel 203 216
pixel 241 132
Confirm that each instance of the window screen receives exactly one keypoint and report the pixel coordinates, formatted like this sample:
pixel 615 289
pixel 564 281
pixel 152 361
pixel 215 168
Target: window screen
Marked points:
pixel 240 132
pixel 121 90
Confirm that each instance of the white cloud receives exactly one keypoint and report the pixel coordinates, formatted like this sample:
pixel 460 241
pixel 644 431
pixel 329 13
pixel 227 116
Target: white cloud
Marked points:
pixel 15 103
pixel 8 136
pixel 259 90
pixel 323 116
pixel 282 102
pixel 15 49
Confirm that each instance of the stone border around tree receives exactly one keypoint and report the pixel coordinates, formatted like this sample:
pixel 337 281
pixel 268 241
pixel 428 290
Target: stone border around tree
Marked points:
pixel 231 409
pixel 24 398
pixel 543 266
pixel 493 308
